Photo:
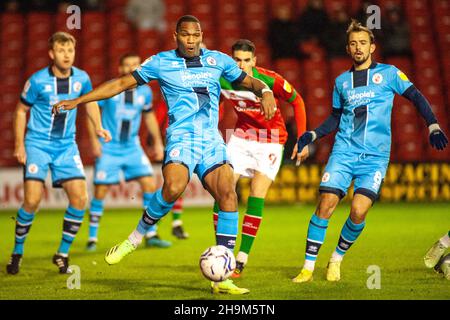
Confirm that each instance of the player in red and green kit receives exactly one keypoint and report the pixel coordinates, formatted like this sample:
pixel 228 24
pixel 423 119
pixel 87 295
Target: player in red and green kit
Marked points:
pixel 255 148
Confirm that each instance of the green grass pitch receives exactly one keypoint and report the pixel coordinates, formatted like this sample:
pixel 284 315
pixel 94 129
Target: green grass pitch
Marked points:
pixel 395 239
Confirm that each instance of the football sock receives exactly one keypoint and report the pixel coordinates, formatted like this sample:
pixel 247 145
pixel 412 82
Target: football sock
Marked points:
pixel 95 214
pixel 23 226
pixel 176 212
pixel 445 240
pixel 251 223
pixel 316 235
pixel 157 208
pixel 146 198
pixel 227 229
pixel 215 215
pixel 242 257
pixel 349 234
pixel 72 222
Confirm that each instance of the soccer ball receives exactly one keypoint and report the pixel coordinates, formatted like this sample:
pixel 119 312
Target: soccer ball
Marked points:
pixel 217 263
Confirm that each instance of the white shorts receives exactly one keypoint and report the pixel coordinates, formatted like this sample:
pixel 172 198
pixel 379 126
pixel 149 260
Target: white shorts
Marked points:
pixel 248 156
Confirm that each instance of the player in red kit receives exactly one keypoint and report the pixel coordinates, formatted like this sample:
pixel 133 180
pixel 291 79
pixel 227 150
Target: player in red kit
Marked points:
pixel 255 148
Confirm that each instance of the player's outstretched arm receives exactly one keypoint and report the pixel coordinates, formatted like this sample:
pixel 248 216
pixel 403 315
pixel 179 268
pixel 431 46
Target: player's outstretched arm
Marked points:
pixel 104 91
pixel 437 137
pixel 93 113
pixel 93 138
pixel 20 121
pixel 327 127
pixel 260 89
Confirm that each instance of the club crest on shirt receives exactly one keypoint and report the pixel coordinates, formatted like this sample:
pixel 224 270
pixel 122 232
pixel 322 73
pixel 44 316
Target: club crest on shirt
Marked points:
pixel 33 168
pixel 211 61
pixel 377 78
pixel 174 153
pixel 77 86
pixel 141 99
pixel 101 175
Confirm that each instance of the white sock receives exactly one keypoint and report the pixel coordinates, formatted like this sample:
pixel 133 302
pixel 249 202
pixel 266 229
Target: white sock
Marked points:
pixel 445 240
pixel 177 223
pixel 242 257
pixel 309 265
pixel 135 238
pixel 336 257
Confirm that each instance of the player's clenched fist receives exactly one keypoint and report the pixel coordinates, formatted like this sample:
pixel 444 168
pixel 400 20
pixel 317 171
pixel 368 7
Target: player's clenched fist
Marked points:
pixel 20 154
pixel 64 105
pixel 102 133
pixel 268 105
pixel 438 139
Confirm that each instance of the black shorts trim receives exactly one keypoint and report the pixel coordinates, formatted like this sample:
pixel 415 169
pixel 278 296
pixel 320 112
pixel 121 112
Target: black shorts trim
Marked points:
pixel 336 191
pixel 58 183
pixel 33 179
pixel 211 169
pixel 106 184
pixel 368 193
pixel 138 177
pixel 174 161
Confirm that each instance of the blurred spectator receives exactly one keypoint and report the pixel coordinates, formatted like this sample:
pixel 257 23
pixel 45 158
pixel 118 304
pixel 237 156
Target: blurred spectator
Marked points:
pixel 395 34
pixel 40 5
pixel 93 5
pixel 147 14
pixel 313 21
pixel 361 14
pixel 335 35
pixel 282 34
pixel 11 6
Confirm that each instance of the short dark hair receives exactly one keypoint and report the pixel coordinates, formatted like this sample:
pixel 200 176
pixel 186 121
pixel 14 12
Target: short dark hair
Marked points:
pixel 60 37
pixel 186 18
pixel 356 26
pixel 127 55
pixel 244 45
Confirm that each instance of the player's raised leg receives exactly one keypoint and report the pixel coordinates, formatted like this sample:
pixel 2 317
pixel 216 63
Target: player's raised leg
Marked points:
pixel 437 251
pixel 176 178
pixel 32 196
pixel 350 232
pixel 152 239
pixel 76 191
pixel 220 183
pixel 316 234
pixel 95 214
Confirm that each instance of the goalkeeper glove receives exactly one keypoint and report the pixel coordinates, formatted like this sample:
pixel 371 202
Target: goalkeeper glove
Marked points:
pixel 438 139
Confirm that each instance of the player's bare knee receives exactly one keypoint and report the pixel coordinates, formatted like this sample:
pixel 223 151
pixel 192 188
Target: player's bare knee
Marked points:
pixel 358 213
pixel 79 200
pixel 327 204
pixel 228 200
pixel 31 204
pixel 172 190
